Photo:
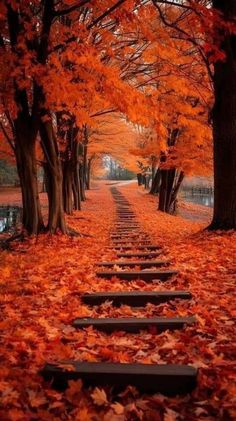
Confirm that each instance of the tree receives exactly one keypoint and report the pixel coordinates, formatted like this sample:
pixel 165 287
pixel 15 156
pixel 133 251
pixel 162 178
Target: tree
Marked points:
pixel 212 33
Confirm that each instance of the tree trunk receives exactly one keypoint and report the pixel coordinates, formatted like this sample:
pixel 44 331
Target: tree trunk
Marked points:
pixel 171 181
pixel 85 167
pixel 76 189
pixel 139 178
pixel 56 217
pixel 156 182
pixel 76 181
pixel 81 180
pixel 89 173
pixel 27 170
pixel 224 127
pixel 68 186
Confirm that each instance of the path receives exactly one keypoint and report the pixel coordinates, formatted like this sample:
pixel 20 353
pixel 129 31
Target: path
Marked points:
pixel 170 379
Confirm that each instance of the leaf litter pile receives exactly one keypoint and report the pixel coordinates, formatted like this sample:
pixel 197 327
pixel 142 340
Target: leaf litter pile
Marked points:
pixel 40 284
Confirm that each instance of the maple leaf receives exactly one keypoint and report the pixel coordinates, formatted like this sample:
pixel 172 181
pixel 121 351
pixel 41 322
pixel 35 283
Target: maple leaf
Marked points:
pixel 170 415
pixel 118 408
pixel 99 397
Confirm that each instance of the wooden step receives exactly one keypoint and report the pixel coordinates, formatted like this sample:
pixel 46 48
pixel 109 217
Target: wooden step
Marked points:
pixel 125 212
pixel 145 264
pixel 125 241
pixel 133 241
pixel 138 247
pixel 167 379
pixel 145 275
pixel 125 215
pixel 130 236
pixel 125 220
pixel 134 298
pixel 134 324
pixel 126 226
pixel 134 232
pixel 143 255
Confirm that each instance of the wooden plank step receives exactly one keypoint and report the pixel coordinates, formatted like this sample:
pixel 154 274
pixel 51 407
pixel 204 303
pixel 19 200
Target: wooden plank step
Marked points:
pixel 134 324
pixel 121 214
pixel 125 211
pixel 125 220
pixel 126 232
pixel 134 298
pixel 135 230
pixel 138 247
pixel 126 236
pixel 145 264
pixel 126 241
pixel 125 225
pixel 144 255
pixel 145 275
pixel 167 379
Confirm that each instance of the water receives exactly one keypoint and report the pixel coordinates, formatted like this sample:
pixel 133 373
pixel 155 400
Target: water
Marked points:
pixel 205 199
pixel 10 216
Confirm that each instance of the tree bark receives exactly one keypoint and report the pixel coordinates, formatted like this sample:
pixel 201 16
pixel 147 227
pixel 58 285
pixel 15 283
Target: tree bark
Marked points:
pixel 56 217
pixel 89 173
pixel 155 187
pixel 139 178
pixel 224 126
pixel 68 186
pixel 171 181
pixel 27 170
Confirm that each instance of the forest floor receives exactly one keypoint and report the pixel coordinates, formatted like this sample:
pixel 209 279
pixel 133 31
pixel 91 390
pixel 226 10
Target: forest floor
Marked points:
pixel 41 281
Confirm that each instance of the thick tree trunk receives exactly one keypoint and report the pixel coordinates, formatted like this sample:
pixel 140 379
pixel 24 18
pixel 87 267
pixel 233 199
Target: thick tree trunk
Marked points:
pixel 224 127
pixel 155 187
pixel 56 217
pixel 27 170
pixel 171 181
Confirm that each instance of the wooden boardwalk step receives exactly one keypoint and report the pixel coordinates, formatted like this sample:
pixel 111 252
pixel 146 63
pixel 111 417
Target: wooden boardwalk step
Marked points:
pixel 145 275
pixel 167 379
pixel 127 226
pixel 144 264
pixel 138 247
pixel 126 241
pixel 143 255
pixel 134 324
pixel 134 298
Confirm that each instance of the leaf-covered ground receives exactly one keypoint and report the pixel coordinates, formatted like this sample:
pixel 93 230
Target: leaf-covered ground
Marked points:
pixel 40 285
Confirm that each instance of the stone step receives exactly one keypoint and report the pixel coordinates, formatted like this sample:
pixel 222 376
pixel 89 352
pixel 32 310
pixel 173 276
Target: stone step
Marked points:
pixel 134 298
pixel 134 324
pixel 167 379
pixel 145 275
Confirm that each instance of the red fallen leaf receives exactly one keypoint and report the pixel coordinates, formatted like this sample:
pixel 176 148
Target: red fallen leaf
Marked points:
pixel 29 310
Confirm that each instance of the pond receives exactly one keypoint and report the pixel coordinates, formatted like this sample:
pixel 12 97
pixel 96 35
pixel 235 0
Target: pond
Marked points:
pixel 10 216
pixel 205 199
